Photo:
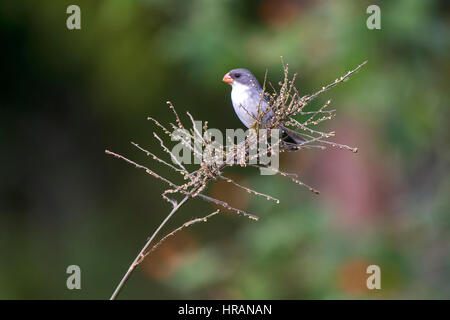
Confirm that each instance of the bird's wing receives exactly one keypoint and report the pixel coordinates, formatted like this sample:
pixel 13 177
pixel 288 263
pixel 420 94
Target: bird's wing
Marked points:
pixel 255 97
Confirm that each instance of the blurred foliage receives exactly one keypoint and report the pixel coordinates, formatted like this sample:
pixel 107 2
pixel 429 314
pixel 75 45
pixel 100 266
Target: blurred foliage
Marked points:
pixel 68 95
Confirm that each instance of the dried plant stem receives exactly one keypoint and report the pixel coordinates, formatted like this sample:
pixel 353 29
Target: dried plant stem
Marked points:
pixel 139 258
pixel 185 225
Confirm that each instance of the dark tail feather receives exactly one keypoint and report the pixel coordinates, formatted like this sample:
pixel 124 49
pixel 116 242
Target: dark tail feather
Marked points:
pixel 291 137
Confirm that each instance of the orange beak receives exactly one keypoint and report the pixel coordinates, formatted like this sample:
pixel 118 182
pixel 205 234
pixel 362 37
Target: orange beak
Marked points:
pixel 227 78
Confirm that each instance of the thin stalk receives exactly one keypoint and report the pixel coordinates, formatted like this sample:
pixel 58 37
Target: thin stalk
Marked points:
pixel 141 254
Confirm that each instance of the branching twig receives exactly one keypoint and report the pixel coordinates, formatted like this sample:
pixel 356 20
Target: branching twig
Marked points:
pixel 139 258
pixel 185 225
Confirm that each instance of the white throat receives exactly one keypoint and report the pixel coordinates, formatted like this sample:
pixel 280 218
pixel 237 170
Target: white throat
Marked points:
pixel 239 91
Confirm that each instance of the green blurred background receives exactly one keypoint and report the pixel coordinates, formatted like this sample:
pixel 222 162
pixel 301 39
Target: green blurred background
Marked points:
pixel 66 96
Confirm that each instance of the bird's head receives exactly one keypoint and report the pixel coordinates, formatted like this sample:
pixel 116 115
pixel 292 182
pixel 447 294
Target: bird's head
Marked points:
pixel 240 76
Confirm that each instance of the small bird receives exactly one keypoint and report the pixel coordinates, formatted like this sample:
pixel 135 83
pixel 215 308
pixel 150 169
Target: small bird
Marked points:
pixel 246 96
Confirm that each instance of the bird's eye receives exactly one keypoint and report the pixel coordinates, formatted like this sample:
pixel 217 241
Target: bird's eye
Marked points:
pixel 237 75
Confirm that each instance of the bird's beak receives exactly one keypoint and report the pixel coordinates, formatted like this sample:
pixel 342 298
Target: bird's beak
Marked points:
pixel 227 78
